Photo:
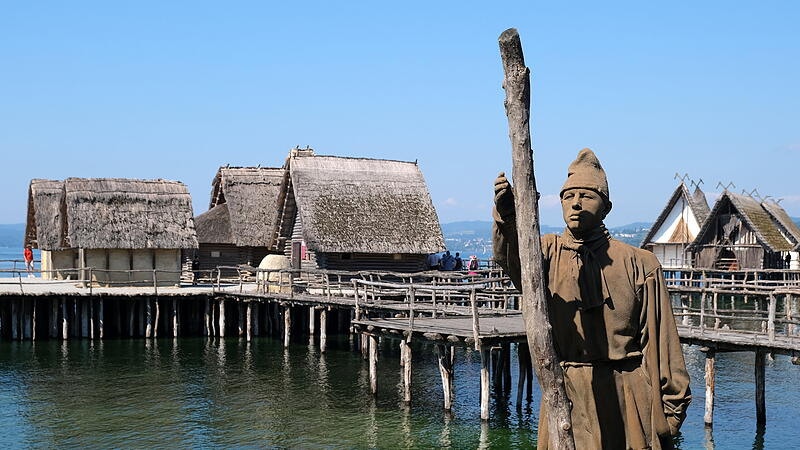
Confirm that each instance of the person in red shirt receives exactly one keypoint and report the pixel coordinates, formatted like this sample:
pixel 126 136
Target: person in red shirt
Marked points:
pixel 28 253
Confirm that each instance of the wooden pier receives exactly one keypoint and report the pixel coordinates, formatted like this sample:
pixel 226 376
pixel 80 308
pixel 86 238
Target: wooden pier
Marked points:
pixel 720 312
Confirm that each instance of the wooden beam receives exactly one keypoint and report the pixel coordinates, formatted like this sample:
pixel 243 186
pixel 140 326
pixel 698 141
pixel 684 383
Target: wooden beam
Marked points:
pixel 485 361
pixel 535 309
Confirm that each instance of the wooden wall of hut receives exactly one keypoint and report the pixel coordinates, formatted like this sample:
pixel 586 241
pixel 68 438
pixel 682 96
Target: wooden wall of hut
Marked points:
pixel 210 256
pixel 372 261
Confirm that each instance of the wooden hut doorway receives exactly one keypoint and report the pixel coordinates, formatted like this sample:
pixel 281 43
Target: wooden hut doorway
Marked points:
pixel 297 248
pixel 727 260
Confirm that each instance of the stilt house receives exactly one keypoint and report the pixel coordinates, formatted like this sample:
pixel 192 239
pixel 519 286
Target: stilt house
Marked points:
pixel 676 227
pixel 356 214
pixel 237 228
pixel 744 233
pixel 121 228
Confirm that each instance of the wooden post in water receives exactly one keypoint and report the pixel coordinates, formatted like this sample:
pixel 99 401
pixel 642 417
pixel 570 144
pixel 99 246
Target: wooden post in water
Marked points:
pixel 158 317
pixel 175 318
pixel 485 361
pixel 240 310
pixel 33 319
pixel 716 314
pixel 287 324
pixel 323 329
pixel 708 418
pixel 64 319
pixel 100 318
pixel 14 319
pixel 84 318
pixel 131 317
pixel 206 318
pixel 535 309
pixel 373 364
pixel 311 319
pixel 54 317
pixel 771 318
pixel 148 329
pixel 90 300
pixel 443 353
pixel 761 408
pixel 221 327
pixel 256 318
pixel 405 355
pixel 249 321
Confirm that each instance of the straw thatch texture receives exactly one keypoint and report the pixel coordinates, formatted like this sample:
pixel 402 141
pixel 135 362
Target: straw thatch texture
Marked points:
pixel 251 194
pixel 126 213
pixel 45 223
pixel 214 226
pixel 361 205
pixel 754 215
pixel 782 217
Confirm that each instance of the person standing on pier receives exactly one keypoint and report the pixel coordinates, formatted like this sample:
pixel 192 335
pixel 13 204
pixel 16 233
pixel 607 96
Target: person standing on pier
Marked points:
pixel 611 316
pixel 28 255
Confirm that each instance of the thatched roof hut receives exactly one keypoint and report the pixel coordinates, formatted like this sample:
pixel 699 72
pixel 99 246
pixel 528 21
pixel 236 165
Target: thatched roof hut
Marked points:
pixel 128 214
pixel 681 218
pixel 743 232
pixel 46 218
pixel 243 208
pixel 338 207
pixel 364 205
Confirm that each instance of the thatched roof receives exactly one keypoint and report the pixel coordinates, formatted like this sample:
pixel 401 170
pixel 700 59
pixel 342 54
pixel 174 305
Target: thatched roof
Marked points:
pixel 45 222
pixel 214 226
pixel 127 213
pixel 697 204
pixel 782 217
pixel 350 205
pixel 755 216
pixel 251 196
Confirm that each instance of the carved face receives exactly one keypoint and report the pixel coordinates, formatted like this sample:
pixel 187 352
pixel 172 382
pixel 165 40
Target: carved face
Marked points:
pixel 583 209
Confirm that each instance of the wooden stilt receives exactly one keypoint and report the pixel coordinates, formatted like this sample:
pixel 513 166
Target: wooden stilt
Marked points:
pixel 256 318
pixel 158 316
pixel 373 364
pixel 54 317
pixel 213 314
pixel 287 324
pixel 90 300
pixel 148 331
pixel 311 320
pixel 240 308
pixel 206 317
pixel 85 318
pixel 249 323
pixel 76 319
pixel 131 317
pixel 64 319
pixel 323 329
pixel 33 319
pixel 221 327
pixel 506 349
pixel 364 346
pixel 405 355
pixel 14 319
pixel 708 418
pixel 100 318
pixel 26 319
pixel 140 307
pixel 485 360
pixel 175 321
pixel 761 409
pixel 522 354
pixel 443 354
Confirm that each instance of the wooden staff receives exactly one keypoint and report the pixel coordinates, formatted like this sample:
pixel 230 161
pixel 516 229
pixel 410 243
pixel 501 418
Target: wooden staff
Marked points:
pixel 534 306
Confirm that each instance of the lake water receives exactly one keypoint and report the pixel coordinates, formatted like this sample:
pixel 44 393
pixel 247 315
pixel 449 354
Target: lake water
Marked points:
pixel 199 392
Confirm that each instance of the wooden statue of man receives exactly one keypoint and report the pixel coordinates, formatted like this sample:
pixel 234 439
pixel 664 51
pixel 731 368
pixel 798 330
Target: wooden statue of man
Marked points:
pixel 611 316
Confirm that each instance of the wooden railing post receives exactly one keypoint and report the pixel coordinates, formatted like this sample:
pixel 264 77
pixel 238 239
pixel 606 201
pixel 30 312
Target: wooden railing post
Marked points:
pixel 771 323
pixel 355 296
pixel 155 283
pixel 411 300
pixel 476 328
pixel 702 312
pixel 90 281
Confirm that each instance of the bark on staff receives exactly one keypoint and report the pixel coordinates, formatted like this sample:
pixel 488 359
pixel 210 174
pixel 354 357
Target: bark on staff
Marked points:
pixel 534 305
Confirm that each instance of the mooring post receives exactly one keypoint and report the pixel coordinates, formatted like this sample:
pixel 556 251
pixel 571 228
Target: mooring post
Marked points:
pixel 405 355
pixel 287 324
pixel 373 364
pixel 323 329
pixel 485 361
pixel 708 418
pixel 761 409
pixel 249 321
pixel 443 353
pixel 221 327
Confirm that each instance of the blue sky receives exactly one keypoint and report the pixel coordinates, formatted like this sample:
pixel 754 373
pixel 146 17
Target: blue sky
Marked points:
pixel 175 89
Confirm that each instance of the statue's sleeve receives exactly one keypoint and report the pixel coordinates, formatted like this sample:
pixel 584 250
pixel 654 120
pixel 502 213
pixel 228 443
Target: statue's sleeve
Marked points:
pixel 662 350
pixel 505 246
